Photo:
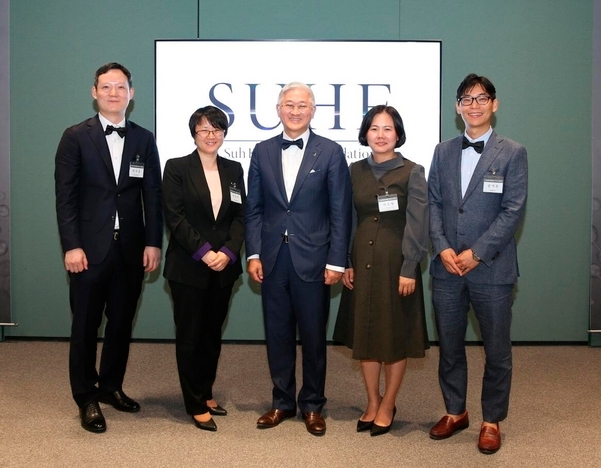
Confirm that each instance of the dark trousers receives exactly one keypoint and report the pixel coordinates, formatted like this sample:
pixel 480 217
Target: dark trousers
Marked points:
pixel 492 308
pixel 199 315
pixel 287 302
pixel 112 287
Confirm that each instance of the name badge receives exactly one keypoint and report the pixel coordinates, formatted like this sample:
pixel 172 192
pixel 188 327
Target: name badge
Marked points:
pixel 388 202
pixel 493 184
pixel 136 168
pixel 235 194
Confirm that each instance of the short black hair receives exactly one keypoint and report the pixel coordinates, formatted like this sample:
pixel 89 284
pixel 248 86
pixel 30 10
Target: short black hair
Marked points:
pixel 472 80
pixel 112 66
pixel 399 128
pixel 215 116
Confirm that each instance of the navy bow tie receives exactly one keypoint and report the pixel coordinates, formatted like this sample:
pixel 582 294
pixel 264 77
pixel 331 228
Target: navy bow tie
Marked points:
pixel 120 130
pixel 477 145
pixel 287 143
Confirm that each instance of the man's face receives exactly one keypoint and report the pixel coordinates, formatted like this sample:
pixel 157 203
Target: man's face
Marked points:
pixel 296 111
pixel 112 93
pixel 477 117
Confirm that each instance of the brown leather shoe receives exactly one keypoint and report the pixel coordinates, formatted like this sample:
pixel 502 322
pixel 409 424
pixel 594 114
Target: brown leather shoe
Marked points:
pixel 273 417
pixel 489 441
pixel 315 423
pixel 446 427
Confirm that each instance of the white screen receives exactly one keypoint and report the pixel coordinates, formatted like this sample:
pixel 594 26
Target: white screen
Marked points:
pixel 243 78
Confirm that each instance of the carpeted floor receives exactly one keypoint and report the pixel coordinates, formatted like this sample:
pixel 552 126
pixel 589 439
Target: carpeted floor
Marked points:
pixel 554 412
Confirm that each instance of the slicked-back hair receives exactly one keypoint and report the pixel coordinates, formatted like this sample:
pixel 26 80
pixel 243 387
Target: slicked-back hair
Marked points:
pixel 112 66
pixel 472 80
pixel 296 85
pixel 399 128
pixel 215 116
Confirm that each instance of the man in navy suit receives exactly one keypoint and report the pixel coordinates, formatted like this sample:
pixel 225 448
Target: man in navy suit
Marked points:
pixel 108 204
pixel 477 189
pixel 298 222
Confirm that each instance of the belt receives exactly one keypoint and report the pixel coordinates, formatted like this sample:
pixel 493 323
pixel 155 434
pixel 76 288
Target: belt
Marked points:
pixel 116 235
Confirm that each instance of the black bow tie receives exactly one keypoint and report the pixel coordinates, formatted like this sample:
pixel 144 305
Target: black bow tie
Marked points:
pixel 287 143
pixel 477 145
pixel 120 130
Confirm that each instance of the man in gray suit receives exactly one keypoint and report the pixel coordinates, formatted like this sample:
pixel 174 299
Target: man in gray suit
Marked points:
pixel 477 193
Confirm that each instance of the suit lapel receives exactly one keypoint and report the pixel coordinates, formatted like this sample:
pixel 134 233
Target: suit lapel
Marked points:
pixel 454 167
pixel 99 140
pixel 491 151
pixel 128 152
pixel 274 154
pixel 225 178
pixel 310 157
pixel 199 181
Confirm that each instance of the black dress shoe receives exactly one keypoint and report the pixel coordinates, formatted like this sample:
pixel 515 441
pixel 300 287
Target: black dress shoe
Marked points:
pixel 379 430
pixel 363 426
pixel 205 426
pixel 217 411
pixel 91 418
pixel 119 400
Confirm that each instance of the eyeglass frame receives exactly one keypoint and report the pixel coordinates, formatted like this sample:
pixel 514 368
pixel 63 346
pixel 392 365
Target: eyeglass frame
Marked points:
pixel 302 108
pixel 488 98
pixel 218 132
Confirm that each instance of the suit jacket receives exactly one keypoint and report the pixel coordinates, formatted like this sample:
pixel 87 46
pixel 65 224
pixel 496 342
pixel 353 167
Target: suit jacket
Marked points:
pixel 484 222
pixel 192 225
pixel 317 217
pixel 87 196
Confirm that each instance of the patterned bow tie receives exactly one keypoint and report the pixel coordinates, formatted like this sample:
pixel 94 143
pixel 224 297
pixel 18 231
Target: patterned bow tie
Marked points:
pixel 287 143
pixel 120 130
pixel 477 145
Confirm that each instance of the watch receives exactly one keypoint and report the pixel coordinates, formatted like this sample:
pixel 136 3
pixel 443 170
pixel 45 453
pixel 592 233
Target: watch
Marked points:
pixel 475 257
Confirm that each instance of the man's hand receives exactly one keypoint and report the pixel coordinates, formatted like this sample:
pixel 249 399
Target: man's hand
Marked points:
pixel 465 261
pixel 151 259
pixel 348 278
pixel 331 276
pixel 255 269
pixel 76 260
pixel 406 286
pixel 449 260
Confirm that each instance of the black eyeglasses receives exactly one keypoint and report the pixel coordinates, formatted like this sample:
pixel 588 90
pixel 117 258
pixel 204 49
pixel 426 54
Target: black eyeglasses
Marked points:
pixel 481 99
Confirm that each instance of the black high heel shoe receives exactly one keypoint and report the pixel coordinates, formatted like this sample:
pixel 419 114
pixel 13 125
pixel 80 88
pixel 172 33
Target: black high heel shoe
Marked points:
pixel 363 426
pixel 205 426
pixel 217 411
pixel 379 430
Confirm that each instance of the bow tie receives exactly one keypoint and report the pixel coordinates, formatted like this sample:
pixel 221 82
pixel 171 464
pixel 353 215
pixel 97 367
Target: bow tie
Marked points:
pixel 287 143
pixel 120 130
pixel 477 145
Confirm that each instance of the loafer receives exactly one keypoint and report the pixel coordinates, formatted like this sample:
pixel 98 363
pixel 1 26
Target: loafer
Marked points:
pixel 206 425
pixel 363 426
pixel 315 423
pixel 273 417
pixel 489 441
pixel 91 418
pixel 446 427
pixel 119 400
pixel 217 411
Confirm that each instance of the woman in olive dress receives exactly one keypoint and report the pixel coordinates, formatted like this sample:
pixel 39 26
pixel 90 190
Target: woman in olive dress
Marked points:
pixel 381 315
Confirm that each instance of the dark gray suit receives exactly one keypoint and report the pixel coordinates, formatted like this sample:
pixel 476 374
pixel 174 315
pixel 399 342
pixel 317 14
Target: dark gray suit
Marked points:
pixel 486 223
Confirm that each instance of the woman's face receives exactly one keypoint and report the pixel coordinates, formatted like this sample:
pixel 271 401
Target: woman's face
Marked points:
pixel 381 135
pixel 208 139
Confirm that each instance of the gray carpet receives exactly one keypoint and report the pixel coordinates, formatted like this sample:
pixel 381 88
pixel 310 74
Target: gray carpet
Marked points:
pixel 554 412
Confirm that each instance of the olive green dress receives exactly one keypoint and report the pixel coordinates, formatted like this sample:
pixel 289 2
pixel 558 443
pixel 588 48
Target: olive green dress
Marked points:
pixel 373 318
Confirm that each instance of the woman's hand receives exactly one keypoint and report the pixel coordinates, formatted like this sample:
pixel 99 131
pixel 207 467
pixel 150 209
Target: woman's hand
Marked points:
pixel 348 278
pixel 406 286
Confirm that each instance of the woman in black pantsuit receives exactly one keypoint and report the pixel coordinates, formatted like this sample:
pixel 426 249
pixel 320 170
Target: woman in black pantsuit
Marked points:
pixel 203 203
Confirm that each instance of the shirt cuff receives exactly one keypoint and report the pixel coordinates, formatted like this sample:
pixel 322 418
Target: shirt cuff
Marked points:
pixel 339 269
pixel 201 252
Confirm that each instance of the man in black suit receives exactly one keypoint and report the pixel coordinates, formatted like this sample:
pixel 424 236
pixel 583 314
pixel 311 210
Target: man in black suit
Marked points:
pixel 108 204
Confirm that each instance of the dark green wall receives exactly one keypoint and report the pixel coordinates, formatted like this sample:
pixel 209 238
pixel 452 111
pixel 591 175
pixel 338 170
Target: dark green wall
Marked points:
pixel 538 54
